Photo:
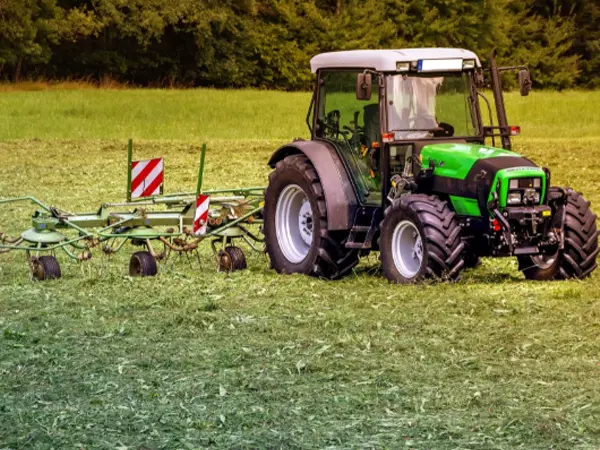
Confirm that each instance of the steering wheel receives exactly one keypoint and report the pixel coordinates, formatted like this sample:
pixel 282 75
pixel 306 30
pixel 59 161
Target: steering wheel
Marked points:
pixel 332 124
pixel 443 130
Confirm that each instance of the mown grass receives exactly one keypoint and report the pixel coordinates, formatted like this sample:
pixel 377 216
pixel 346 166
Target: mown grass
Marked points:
pixel 197 359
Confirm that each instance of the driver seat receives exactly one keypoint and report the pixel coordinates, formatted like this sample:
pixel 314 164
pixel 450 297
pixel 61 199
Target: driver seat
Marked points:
pixel 372 128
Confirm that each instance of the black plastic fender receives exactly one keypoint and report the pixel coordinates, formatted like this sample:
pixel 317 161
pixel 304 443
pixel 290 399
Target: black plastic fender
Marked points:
pixel 340 198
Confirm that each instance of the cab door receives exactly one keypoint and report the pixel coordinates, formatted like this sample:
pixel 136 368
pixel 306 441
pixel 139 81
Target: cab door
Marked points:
pixel 353 127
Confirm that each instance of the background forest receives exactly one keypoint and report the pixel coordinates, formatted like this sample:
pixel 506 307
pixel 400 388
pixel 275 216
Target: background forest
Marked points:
pixel 268 43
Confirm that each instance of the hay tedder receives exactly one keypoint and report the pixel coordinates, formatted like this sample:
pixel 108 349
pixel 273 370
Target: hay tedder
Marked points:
pixel 158 223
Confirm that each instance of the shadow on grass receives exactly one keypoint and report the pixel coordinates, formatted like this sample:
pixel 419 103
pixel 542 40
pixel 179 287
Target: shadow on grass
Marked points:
pixel 476 276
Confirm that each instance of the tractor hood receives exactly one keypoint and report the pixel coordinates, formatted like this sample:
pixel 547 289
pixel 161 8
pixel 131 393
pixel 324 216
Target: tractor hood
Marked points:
pixel 472 171
pixel 457 160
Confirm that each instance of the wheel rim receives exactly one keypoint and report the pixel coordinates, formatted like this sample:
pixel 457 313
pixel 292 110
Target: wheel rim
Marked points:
pixel 544 261
pixel 37 270
pixel 135 266
pixel 294 223
pixel 407 249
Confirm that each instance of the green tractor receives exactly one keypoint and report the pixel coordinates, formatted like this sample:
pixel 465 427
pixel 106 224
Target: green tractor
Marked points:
pixel 397 163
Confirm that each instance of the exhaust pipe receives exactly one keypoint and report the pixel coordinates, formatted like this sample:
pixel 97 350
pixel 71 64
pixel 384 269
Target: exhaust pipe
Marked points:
pixel 499 100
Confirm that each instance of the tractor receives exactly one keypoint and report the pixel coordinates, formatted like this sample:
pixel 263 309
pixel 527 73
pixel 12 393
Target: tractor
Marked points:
pixel 397 162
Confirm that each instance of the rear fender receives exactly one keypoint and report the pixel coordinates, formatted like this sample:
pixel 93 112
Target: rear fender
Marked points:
pixel 340 198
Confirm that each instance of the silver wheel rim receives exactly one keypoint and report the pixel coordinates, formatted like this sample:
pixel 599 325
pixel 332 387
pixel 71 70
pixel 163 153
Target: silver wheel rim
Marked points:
pixel 294 223
pixel 407 249
pixel 544 261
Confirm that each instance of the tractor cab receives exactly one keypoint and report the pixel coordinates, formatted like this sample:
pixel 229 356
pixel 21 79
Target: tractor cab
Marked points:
pixel 368 100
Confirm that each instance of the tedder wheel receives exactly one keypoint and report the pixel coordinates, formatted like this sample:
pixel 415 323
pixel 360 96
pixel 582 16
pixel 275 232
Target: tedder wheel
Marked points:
pixel 232 259
pixel 420 238
pixel 578 257
pixel 45 268
pixel 296 233
pixel 142 264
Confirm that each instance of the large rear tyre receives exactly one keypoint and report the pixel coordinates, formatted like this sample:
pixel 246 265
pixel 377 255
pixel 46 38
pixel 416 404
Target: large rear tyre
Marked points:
pixel 420 239
pixel 45 268
pixel 578 257
pixel 297 238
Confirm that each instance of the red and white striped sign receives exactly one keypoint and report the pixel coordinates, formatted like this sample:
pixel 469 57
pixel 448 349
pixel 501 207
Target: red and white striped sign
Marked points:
pixel 147 178
pixel 201 218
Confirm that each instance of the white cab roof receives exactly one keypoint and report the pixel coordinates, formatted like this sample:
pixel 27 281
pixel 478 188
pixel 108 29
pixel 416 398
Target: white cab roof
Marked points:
pixel 385 60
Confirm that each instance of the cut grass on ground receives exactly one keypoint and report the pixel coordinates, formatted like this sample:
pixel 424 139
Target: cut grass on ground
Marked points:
pixel 197 359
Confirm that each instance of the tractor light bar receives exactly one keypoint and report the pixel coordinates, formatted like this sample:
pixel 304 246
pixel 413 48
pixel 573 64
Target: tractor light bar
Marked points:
pixel 468 64
pixel 514 183
pixel 402 66
pixel 439 65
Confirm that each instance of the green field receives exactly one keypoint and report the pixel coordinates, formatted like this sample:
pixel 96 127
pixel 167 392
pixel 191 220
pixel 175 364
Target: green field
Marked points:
pixel 254 360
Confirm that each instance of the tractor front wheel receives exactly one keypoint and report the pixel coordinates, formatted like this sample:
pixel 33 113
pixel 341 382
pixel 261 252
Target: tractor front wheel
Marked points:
pixel 578 257
pixel 297 238
pixel 420 238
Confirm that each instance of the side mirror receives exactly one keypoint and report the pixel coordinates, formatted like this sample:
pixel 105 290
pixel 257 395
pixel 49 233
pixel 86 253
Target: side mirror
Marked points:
pixel 524 82
pixel 364 86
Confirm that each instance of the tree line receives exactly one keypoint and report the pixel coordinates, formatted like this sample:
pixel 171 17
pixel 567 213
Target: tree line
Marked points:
pixel 268 43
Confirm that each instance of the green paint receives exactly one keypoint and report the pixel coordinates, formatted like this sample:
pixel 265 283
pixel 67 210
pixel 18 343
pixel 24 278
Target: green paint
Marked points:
pixel 201 170
pixel 504 176
pixel 44 236
pixel 455 160
pixel 129 162
pixel 465 206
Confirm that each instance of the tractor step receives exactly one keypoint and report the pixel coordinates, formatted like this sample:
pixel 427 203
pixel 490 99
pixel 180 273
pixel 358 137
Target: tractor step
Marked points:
pixel 529 250
pixel 361 235
pixel 358 245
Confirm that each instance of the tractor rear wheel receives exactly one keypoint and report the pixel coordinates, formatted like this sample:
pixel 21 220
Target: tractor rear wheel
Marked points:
pixel 420 238
pixel 297 238
pixel 578 257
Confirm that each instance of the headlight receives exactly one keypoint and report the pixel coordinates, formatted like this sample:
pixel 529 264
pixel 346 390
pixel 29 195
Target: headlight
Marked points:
pixel 468 64
pixel 531 196
pixel 514 198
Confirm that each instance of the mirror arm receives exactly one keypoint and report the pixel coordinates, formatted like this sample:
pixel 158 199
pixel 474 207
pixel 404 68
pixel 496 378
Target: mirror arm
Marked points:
pixel 503 69
pixel 487 102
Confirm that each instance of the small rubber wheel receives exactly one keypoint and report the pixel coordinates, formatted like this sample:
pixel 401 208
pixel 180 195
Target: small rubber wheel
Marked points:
pixel 45 268
pixel 142 264
pixel 232 259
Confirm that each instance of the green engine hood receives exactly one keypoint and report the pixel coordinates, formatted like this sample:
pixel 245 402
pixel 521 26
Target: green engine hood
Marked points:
pixel 468 173
pixel 456 160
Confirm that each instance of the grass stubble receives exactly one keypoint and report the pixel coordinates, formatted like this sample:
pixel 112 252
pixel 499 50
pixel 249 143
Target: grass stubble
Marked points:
pixel 198 359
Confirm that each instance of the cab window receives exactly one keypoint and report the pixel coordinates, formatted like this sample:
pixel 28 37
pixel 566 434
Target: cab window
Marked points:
pixel 353 126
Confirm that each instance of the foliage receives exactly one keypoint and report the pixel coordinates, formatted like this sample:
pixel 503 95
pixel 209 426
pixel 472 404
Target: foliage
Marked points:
pixel 268 43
